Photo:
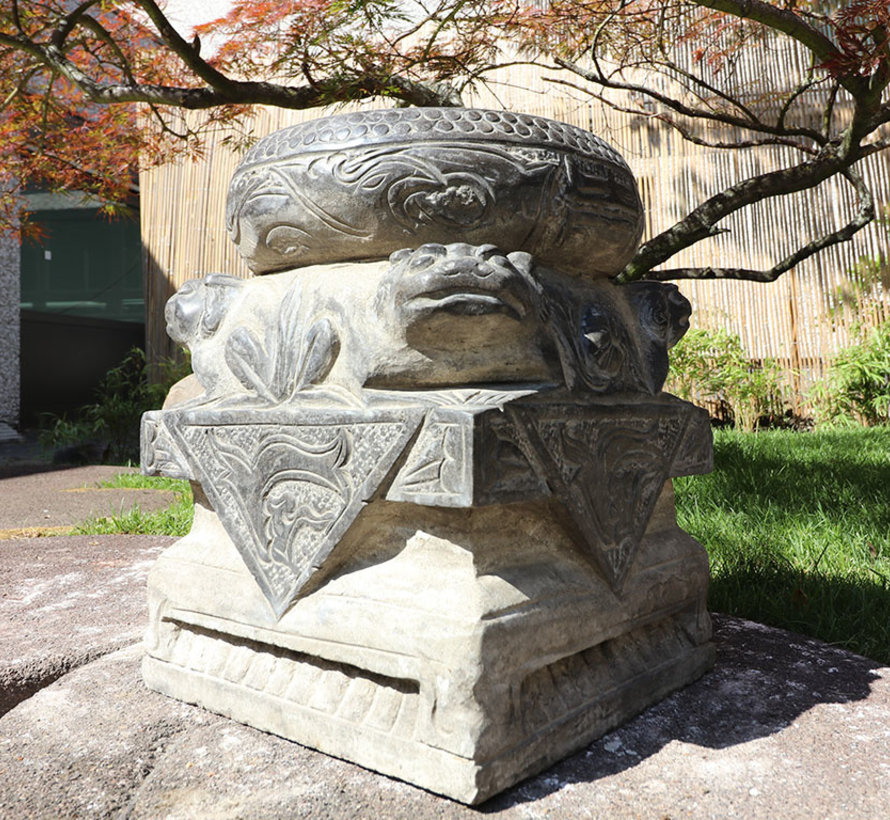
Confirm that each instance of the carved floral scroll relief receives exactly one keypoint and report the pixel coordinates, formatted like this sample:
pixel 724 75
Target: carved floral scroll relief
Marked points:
pixel 363 185
pixel 328 384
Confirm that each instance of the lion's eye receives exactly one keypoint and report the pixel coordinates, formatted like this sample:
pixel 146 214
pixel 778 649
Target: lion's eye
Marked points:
pixel 423 261
pixel 426 255
pixel 658 314
pixel 400 256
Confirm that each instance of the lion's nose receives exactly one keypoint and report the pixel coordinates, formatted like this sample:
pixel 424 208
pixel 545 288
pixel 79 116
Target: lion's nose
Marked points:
pixel 466 267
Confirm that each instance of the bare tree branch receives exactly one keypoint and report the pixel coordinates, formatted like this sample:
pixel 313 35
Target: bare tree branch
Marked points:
pixel 734 144
pixel 183 49
pixel 680 108
pixel 786 21
pixel 103 34
pixel 828 112
pixel 68 23
pixel 801 89
pixel 734 102
pixel 323 92
pixel 875 147
pixel 16 17
pixel 865 213
pixel 701 222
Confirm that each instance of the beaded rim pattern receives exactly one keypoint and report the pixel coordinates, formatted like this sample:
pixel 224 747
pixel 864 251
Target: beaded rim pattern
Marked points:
pixel 429 125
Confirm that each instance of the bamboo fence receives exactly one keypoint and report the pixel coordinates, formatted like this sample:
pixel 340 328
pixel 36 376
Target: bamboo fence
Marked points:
pixel 800 321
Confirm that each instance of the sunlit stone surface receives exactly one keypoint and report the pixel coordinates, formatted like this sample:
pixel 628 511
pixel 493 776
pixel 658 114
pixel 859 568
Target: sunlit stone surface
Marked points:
pixel 434 528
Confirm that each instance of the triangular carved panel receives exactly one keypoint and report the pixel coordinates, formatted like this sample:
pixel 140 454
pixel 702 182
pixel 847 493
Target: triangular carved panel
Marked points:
pixel 608 469
pixel 287 494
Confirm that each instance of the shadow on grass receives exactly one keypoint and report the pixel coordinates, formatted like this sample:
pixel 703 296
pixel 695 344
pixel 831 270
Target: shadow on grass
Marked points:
pixel 797 526
pixel 764 680
pixel 851 612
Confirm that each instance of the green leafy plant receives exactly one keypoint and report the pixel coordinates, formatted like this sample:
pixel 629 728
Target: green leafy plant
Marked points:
pixel 864 291
pixel 711 368
pixel 108 430
pixel 858 384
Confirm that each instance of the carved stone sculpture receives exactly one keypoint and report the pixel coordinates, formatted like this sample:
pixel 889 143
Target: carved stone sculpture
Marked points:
pixel 434 528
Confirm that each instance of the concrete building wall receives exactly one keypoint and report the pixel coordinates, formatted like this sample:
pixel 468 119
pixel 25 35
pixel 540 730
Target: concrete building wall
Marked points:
pixel 10 381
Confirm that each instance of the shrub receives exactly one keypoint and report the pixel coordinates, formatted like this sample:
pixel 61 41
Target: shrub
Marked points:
pixel 712 368
pixel 108 430
pixel 858 384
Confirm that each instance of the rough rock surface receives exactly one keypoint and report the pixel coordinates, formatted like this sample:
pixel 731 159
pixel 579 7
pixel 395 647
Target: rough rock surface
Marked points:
pixel 783 727
pixel 67 600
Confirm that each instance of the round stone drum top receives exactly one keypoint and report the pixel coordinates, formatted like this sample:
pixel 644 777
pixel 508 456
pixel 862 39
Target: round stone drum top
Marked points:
pixel 359 186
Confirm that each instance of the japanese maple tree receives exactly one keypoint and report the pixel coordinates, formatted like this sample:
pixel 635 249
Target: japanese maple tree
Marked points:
pixel 88 90
pixel 676 62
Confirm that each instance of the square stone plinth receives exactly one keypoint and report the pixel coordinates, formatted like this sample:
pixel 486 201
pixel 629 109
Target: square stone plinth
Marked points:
pixel 461 650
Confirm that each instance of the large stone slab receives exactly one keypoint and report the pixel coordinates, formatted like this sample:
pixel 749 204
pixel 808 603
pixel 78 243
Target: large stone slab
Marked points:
pixel 67 600
pixel 782 727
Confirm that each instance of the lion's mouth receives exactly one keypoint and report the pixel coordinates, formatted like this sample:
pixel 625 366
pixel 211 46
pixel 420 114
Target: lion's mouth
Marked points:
pixel 465 300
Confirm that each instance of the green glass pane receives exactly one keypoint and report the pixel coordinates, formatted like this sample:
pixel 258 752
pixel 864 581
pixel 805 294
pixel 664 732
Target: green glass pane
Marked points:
pixel 84 265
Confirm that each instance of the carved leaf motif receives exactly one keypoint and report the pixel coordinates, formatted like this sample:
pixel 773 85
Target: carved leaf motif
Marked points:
pixel 419 191
pixel 158 454
pixel 318 352
pixel 608 471
pixel 247 359
pixel 302 358
pixel 288 342
pixel 287 493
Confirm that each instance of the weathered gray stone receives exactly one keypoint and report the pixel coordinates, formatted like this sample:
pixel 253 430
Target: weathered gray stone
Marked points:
pixel 440 316
pixel 783 726
pixel 65 601
pixel 257 466
pixel 365 184
pixel 434 526
pixel 440 650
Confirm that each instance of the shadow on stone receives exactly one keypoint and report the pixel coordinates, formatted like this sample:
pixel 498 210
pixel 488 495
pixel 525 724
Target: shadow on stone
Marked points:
pixel 763 681
pixel 18 683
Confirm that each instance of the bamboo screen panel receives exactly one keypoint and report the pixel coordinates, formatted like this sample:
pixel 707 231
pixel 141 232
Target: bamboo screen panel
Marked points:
pixel 795 320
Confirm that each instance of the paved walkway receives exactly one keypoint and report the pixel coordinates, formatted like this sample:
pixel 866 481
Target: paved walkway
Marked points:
pixel 37 497
pixel 55 500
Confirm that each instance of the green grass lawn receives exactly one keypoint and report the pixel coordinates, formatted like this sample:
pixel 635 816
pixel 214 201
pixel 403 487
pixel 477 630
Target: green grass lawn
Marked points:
pixel 175 520
pixel 797 526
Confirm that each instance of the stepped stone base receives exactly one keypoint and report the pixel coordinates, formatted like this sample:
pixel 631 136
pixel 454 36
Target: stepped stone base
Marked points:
pixel 476 655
